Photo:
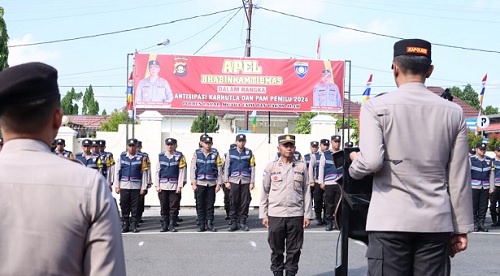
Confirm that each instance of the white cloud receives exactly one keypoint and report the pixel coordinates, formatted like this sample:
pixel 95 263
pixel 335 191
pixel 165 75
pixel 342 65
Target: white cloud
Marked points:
pixel 346 36
pixel 18 55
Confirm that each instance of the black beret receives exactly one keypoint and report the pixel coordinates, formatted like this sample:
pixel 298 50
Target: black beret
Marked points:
pixel 240 137
pixel 28 82
pixel 314 143
pixel 283 139
pixel 416 47
pixel 60 141
pixel 325 142
pixel 86 142
pixel 132 141
pixel 170 141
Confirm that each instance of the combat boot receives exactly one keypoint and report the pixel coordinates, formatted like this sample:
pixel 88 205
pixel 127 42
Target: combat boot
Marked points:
pixel 329 225
pixel 164 226
pixel 134 227
pixel 201 226
pixel 319 221
pixel 290 273
pixel 243 225
pixel 233 226
pixel 171 226
pixel 481 227
pixel 476 224
pixel 277 273
pixel 210 226
pixel 125 226
pixel 494 220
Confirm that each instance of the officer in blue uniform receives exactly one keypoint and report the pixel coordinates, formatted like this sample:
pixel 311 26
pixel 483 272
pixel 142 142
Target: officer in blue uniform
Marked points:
pixel 206 179
pixel 131 183
pixel 239 174
pixel 142 199
pixel 318 193
pixel 109 161
pixel 171 172
pixel 60 151
pixel 482 172
pixel 88 158
pixel 328 177
pixel 227 206
pixel 495 189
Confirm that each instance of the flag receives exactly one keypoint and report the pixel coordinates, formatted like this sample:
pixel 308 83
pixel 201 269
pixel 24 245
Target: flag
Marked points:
pixel 366 94
pixel 481 97
pixel 318 49
pixel 130 96
pixel 254 121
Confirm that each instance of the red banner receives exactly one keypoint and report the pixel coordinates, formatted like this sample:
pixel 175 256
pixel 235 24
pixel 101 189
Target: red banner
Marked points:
pixel 197 82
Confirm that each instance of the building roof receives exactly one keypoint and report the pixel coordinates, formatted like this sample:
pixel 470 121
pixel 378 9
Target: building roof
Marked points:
pixel 88 122
pixel 469 111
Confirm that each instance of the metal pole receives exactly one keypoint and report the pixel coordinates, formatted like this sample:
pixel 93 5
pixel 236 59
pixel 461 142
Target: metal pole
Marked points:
pixel 248 46
pixel 205 121
pixel 127 119
pixel 133 102
pixel 349 105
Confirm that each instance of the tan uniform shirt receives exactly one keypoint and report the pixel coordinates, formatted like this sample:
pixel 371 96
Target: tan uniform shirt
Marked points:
pixel 205 182
pixel 58 219
pixel 285 191
pixel 429 190
pixel 240 178
pixel 180 180
pixel 142 185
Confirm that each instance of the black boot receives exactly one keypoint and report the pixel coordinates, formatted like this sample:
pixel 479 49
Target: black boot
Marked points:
pixel 476 224
pixel 134 227
pixel 481 226
pixel 494 220
pixel 290 273
pixel 329 225
pixel 319 220
pixel 227 215
pixel 210 226
pixel 171 226
pixel 201 226
pixel 233 226
pixel 277 273
pixel 243 225
pixel 164 226
pixel 125 226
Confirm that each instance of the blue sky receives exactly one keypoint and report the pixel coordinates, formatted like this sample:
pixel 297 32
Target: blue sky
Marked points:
pixel 101 61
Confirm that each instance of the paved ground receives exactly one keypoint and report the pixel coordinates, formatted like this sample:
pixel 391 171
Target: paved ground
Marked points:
pixel 188 252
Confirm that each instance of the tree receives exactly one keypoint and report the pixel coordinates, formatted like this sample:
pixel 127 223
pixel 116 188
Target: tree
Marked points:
pixel 490 110
pixel 4 38
pixel 89 105
pixel 205 124
pixel 67 104
pixel 302 125
pixel 474 139
pixel 104 113
pixel 115 119
pixel 468 95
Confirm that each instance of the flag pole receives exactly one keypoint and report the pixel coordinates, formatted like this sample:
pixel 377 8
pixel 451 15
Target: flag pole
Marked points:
pixel 481 97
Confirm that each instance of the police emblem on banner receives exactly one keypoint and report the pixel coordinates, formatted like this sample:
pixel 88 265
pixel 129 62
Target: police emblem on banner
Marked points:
pixel 301 69
pixel 180 66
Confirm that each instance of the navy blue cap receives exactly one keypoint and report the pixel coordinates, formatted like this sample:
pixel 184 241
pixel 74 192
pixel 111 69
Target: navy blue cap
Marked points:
pixel 170 141
pixel 153 62
pixel 240 137
pixel 86 142
pixel 60 141
pixel 132 141
pixel 207 139
pixel 314 143
pixel 481 146
pixel 336 138
pixel 414 47
pixel 325 142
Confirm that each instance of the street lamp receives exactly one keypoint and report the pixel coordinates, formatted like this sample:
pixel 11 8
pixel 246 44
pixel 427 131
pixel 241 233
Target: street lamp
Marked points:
pixel 163 43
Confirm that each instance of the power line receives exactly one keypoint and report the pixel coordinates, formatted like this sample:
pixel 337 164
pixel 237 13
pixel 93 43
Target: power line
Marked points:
pixel 123 31
pixel 374 33
pixel 227 22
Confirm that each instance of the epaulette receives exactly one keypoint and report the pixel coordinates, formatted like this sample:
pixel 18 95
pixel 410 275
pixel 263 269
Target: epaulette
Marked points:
pixel 380 94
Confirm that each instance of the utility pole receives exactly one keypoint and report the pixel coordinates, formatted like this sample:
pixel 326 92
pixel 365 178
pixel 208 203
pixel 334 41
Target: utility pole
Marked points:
pixel 248 45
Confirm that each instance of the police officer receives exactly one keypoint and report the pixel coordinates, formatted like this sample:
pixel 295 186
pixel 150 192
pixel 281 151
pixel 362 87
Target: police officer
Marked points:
pixel 239 173
pixel 60 151
pixel 326 92
pixel 132 182
pixel 495 188
pixel 177 218
pixel 317 192
pixel 472 152
pixel 285 207
pixel 88 158
pixel 170 174
pixel 328 177
pixel 227 206
pixel 482 171
pixel 206 179
pixel 109 161
pixel 154 88
pixel 142 199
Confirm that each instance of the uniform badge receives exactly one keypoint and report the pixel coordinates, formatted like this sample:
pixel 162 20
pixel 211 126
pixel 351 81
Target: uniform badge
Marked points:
pixel 276 178
pixel 301 69
pixel 180 66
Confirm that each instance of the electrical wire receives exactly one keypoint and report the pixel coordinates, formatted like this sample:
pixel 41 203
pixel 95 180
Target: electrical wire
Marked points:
pixel 374 33
pixel 123 31
pixel 227 22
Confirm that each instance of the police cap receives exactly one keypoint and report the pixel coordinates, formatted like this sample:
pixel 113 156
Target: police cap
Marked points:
pixel 241 137
pixel 414 47
pixel 336 138
pixel 283 139
pixel 28 82
pixel 326 71
pixel 207 139
pixel 139 143
pixel 170 141
pixel 314 143
pixel 60 141
pixel 349 144
pixel 102 143
pixel 132 142
pixel 497 148
pixel 203 136
pixel 95 143
pixel 86 142
pixel 472 151
pixel 1 141
pixel 325 142
pixel 153 63
pixel 232 146
pixel 481 146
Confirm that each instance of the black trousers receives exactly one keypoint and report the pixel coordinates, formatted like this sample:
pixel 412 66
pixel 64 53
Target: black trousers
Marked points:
pixel 169 204
pixel 494 198
pixel 227 202
pixel 408 253
pixel 285 234
pixel 129 203
pixel 318 197
pixel 142 200
pixel 239 198
pixel 332 198
pixel 205 200
pixel 480 203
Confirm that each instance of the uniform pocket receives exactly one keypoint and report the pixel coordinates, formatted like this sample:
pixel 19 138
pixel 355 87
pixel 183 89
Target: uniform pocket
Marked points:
pixel 375 256
pixel 276 180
